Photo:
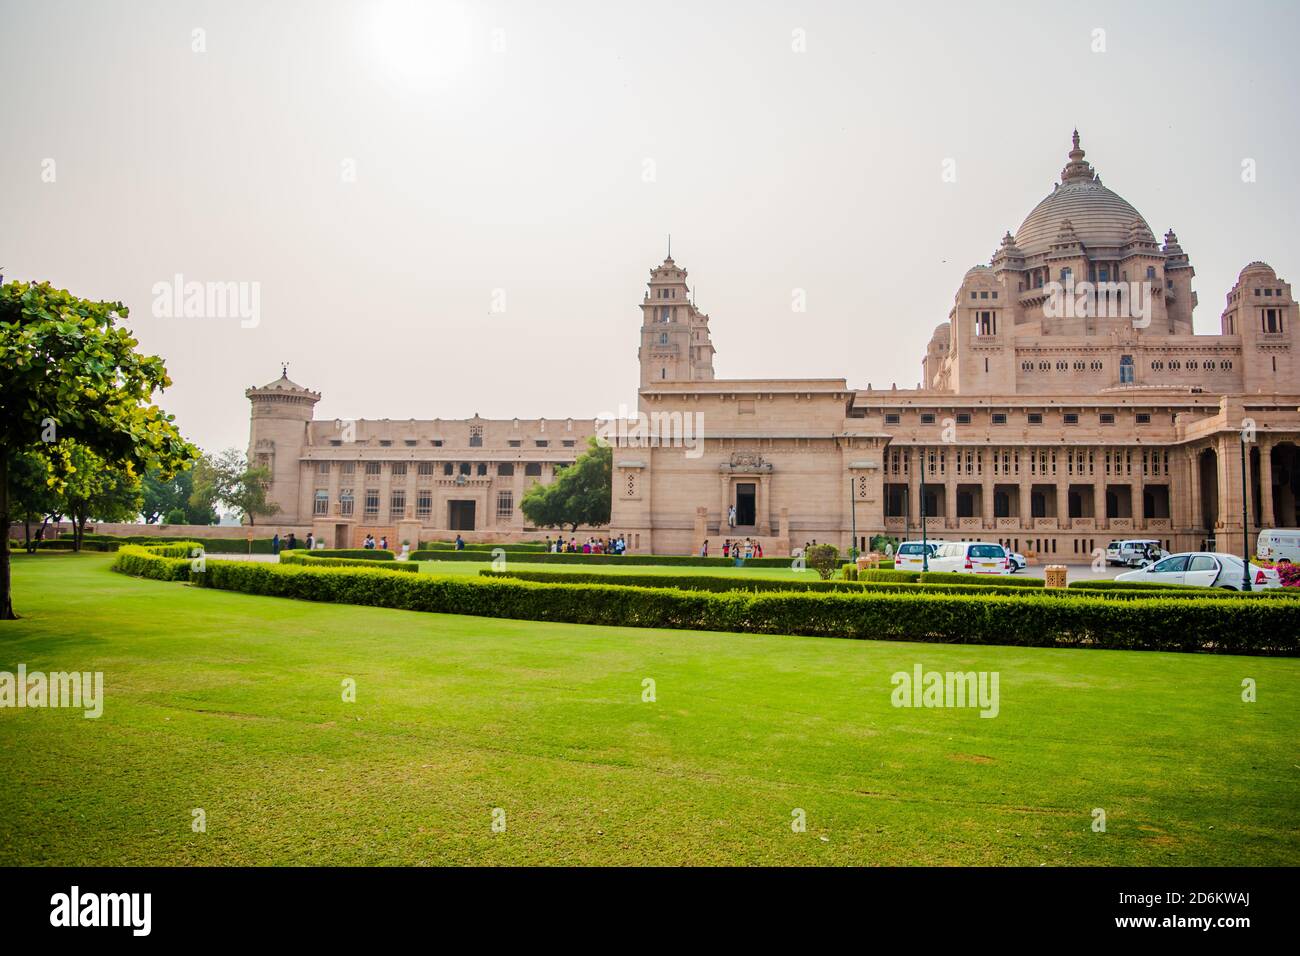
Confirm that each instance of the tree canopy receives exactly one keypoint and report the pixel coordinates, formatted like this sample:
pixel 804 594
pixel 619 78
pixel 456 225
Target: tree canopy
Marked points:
pixel 70 371
pixel 227 479
pixel 579 495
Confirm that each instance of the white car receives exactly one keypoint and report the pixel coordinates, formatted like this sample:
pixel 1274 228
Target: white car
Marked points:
pixel 910 555
pixel 1017 560
pixel 1134 553
pixel 971 557
pixel 1204 569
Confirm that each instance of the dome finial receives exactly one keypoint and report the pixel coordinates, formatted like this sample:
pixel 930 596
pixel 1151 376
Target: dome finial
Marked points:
pixel 1077 169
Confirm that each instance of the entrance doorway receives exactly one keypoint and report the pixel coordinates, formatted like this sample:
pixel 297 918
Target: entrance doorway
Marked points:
pixel 342 536
pixel 460 515
pixel 745 510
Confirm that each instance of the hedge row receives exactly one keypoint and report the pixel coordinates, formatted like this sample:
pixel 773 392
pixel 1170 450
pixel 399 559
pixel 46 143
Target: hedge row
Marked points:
pixel 356 554
pixel 947 577
pixel 1249 627
pixel 725 584
pixel 532 546
pixel 546 557
pixel 161 562
pixel 58 544
pixel 210 545
pixel 321 560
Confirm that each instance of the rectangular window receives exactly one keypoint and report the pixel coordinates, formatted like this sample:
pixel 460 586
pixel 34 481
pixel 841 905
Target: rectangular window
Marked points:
pixel 927 418
pixel 514 443
pixel 476 436
pixel 999 418
pixel 506 469
pixel 1107 418
pixel 505 504
pixel 321 506
pixel 1144 418
pixel 399 469
pixel 372 469
pixel 424 469
pixel 543 443
pixel 1035 418
pixel 349 468
pixel 397 503
pixel 1071 418
pixel 567 443
pixel 892 418
pixel 345 502
pixel 963 418
pixel 435 442
pixel 323 468
pixel 385 443
pixel 424 504
pixel 372 502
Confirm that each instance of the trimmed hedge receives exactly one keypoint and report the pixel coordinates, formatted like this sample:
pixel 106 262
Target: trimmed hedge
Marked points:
pixel 1134 585
pixel 314 559
pixel 210 545
pixel 160 562
pixel 726 584
pixel 546 557
pixel 1247 627
pixel 532 546
pixel 59 544
pixel 356 554
pixel 948 577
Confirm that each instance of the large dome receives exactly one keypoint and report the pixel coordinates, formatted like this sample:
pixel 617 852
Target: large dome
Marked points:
pixel 1100 217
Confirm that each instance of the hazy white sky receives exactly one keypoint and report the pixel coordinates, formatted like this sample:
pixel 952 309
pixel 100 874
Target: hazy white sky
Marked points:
pixel 507 146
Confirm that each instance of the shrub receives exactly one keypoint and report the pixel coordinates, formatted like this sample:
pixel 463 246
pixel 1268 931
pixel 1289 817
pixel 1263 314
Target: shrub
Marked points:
pixel 533 546
pixel 822 558
pixel 315 559
pixel 1134 585
pixel 545 557
pixel 1260 626
pixel 849 572
pixel 145 562
pixel 356 554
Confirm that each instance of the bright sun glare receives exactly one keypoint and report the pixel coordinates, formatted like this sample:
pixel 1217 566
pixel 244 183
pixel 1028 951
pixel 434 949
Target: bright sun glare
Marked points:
pixel 420 43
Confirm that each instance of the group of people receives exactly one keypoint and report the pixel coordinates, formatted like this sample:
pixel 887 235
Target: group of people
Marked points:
pixel 291 542
pixel 736 549
pixel 590 546
pixel 369 543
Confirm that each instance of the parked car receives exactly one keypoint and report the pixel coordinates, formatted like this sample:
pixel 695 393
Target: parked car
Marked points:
pixel 1204 569
pixel 910 554
pixel 1133 553
pixel 1017 560
pixel 971 557
pixel 1279 545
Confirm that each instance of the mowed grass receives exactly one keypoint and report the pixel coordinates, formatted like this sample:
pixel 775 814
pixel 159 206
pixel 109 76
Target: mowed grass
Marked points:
pixel 232 703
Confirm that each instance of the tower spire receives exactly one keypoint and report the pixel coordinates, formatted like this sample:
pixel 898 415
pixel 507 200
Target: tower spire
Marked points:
pixel 670 245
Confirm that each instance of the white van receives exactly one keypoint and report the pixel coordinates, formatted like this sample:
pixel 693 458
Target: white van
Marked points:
pixel 971 557
pixel 1133 553
pixel 1279 544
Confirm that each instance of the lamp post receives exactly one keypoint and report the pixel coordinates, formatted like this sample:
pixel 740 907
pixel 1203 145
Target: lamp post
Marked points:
pixel 1245 520
pixel 853 511
pixel 925 547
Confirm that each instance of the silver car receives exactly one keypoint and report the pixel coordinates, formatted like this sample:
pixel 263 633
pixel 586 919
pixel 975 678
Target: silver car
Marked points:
pixel 1209 569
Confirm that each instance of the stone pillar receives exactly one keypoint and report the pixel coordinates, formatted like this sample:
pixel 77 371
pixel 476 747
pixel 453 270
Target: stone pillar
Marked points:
pixel 701 530
pixel 1099 488
pixel 1194 486
pixel 1062 501
pixel 784 527
pixel 1137 481
pixel 986 487
pixel 915 461
pixel 1265 483
pixel 763 518
pixel 950 499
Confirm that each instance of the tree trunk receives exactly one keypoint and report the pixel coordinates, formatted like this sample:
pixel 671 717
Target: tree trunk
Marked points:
pixel 6 600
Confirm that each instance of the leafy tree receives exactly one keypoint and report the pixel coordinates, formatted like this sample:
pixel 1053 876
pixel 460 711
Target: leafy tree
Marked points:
pixel 31 497
pixel 68 370
pixel 168 500
pixel 579 495
pixel 824 559
pixel 227 479
pixel 88 487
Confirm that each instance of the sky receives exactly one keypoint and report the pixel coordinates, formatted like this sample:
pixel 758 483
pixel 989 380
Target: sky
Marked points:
pixel 437 209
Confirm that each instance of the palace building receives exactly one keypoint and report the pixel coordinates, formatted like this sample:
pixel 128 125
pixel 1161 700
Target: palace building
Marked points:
pixel 1065 401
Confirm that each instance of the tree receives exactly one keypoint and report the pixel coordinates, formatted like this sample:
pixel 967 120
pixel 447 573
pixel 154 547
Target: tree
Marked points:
pixel 88 487
pixel 227 479
pixel 579 495
pixel 68 370
pixel 824 559
pixel 168 499
pixel 31 497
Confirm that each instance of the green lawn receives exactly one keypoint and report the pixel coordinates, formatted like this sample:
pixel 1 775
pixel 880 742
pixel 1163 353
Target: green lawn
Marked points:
pixel 231 703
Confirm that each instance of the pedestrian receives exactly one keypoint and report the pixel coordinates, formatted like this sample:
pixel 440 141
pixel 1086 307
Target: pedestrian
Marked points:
pixel 311 541
pixel 383 543
pixel 704 551
pixel 275 543
pixel 460 543
pixel 293 541
pixel 731 516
